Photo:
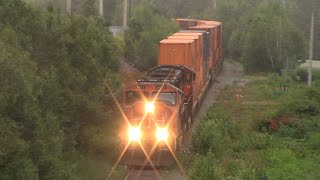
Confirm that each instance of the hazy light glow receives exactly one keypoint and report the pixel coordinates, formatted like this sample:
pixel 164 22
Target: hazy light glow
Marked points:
pixel 149 107
pixel 134 134
pixel 162 134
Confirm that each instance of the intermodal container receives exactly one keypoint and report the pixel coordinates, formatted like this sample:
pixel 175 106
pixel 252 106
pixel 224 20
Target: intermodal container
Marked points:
pixel 213 23
pixel 198 45
pixel 211 30
pixel 181 52
pixel 186 23
pixel 217 36
pixel 206 48
pixel 199 55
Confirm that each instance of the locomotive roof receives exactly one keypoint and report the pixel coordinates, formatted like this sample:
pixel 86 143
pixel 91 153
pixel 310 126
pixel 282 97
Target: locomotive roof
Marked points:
pixel 168 73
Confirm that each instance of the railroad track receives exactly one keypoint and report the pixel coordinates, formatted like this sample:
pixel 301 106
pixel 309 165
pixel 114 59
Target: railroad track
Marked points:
pixel 138 174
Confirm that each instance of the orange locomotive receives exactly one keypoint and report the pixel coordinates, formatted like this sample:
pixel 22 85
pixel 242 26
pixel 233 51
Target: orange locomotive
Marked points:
pixel 160 107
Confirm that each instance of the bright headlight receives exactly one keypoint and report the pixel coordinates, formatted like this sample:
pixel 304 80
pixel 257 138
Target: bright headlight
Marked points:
pixel 149 107
pixel 134 134
pixel 162 134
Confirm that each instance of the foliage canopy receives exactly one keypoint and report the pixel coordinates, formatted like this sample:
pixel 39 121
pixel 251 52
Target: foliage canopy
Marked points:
pixel 52 98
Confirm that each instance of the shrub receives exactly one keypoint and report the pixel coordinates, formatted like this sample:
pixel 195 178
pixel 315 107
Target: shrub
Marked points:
pixel 301 102
pixel 214 133
pixel 284 164
pixel 52 96
pixel 313 141
pixel 205 167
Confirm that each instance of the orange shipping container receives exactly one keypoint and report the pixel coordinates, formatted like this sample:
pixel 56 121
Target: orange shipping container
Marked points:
pixel 201 77
pixel 198 46
pixel 211 30
pixel 217 42
pixel 206 48
pixel 212 23
pixel 181 52
pixel 188 34
pixel 186 23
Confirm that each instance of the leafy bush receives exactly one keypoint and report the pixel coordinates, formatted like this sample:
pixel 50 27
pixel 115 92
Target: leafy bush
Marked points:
pixel 284 164
pixel 205 167
pixel 213 134
pixel 313 141
pixel 52 95
pixel 301 102
pixel 209 137
pixel 242 152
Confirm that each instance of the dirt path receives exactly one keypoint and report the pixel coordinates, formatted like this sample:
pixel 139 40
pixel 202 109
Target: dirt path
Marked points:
pixel 231 73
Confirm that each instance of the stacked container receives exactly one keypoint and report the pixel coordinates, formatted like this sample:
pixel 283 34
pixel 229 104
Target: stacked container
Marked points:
pixel 198 47
pixel 180 52
pixel 211 30
pixel 218 37
pixel 199 56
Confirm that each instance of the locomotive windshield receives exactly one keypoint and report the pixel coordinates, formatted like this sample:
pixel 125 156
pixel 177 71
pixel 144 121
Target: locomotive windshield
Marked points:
pixel 134 96
pixel 168 97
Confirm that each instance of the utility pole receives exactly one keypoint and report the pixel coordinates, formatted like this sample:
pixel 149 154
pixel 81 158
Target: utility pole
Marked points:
pixel 101 8
pixel 284 4
pixel 125 14
pixel 68 7
pixel 311 50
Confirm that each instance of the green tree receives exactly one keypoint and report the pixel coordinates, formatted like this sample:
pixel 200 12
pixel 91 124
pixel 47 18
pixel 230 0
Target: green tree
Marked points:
pixel 53 99
pixel 147 28
pixel 89 8
pixel 268 40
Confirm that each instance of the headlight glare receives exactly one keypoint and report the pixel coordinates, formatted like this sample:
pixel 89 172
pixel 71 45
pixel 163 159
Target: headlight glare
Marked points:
pixel 162 134
pixel 134 134
pixel 149 107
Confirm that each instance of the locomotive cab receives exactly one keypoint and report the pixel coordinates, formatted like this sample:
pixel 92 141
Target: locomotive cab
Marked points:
pixel 155 108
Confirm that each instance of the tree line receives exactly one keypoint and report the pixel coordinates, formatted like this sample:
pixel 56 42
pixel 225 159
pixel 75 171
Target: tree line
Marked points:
pixel 264 35
pixel 55 111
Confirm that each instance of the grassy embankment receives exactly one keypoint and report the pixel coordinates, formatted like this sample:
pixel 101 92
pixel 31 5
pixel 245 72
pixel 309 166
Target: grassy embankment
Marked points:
pixel 263 133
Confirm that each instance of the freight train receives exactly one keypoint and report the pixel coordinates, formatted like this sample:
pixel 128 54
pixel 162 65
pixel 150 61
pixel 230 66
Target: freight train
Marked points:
pixel 160 107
